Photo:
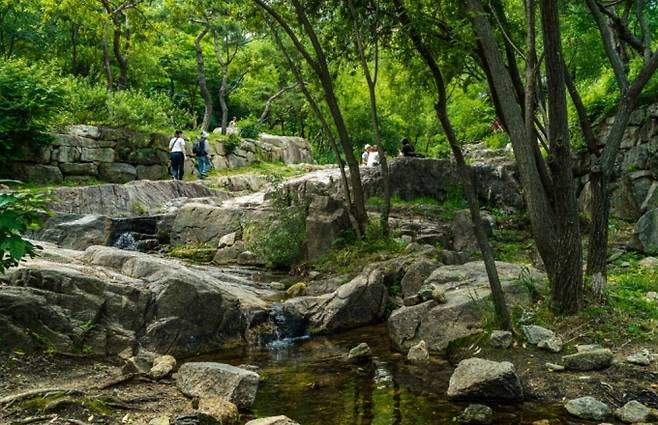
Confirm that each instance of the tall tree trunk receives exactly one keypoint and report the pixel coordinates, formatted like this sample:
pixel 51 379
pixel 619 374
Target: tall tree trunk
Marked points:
pixel 321 70
pixel 556 230
pixel 122 61
pixel 223 87
pixel 270 100
pixel 567 289
pixel 325 127
pixel 201 73
pixel 500 305
pixel 107 67
pixel 371 82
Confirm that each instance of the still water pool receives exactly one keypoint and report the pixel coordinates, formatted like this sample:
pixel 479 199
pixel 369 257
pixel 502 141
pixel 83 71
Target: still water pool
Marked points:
pixel 311 382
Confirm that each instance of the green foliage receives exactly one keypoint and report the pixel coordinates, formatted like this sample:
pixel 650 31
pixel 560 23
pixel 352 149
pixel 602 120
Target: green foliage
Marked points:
pixel 279 239
pixel 454 200
pixel 19 212
pixel 196 253
pixel 30 97
pixel 92 104
pixel 273 170
pixel 231 143
pixel 250 127
pixel 626 315
pixel 350 254
pixel 496 140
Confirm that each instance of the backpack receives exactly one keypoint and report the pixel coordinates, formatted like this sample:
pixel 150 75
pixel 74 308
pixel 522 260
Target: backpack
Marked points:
pixel 198 148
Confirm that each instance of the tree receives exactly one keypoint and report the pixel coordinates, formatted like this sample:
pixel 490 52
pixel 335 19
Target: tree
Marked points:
pixel 371 81
pixel 441 108
pixel 321 71
pixel 118 15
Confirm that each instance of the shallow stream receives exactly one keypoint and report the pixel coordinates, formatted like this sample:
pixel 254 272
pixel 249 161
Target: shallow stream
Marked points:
pixel 311 382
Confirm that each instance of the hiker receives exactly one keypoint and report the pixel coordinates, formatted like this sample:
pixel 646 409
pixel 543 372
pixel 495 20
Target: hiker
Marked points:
pixel 177 155
pixel 364 155
pixel 201 149
pixel 233 123
pixel 408 149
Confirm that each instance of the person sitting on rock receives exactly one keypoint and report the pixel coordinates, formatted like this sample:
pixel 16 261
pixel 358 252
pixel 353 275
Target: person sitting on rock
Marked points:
pixel 408 149
pixel 364 155
pixel 373 157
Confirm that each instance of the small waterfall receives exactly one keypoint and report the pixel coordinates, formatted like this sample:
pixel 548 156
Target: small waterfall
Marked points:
pixel 286 329
pixel 126 241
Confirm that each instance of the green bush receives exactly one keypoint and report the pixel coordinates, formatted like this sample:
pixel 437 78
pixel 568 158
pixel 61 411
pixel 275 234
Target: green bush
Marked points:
pixel 92 104
pixel 231 143
pixel 19 212
pixel 30 98
pixel 249 127
pixel 279 240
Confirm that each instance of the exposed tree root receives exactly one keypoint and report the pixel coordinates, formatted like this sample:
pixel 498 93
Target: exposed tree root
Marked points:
pixel 34 419
pixel 45 392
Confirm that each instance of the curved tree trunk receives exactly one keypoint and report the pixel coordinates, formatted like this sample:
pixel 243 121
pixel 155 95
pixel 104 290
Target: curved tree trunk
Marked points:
pixel 201 73
pixel 500 305
pixel 386 208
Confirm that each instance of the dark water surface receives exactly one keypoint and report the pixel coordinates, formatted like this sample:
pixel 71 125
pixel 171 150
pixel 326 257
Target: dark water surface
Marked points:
pixel 311 382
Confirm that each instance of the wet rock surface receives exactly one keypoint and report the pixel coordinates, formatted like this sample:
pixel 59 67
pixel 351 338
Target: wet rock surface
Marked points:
pixel 478 379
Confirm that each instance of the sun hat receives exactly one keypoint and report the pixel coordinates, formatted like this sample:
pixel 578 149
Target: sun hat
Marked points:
pixel 366 147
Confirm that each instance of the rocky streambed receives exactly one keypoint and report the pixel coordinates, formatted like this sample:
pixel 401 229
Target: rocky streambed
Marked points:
pixel 88 322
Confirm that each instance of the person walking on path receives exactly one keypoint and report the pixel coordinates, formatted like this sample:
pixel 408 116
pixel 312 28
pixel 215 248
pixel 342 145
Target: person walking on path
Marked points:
pixel 364 155
pixel 201 149
pixel 177 155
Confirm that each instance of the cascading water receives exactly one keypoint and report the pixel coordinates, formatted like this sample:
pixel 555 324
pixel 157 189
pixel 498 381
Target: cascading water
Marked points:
pixel 286 330
pixel 126 241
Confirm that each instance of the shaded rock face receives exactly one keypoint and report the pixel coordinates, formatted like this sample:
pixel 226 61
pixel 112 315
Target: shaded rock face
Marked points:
pixel 360 302
pixel 413 178
pixel 79 232
pixel 136 198
pixel 465 286
pixel 478 379
pixel 327 218
pixel 105 300
pixel 645 233
pixel 233 384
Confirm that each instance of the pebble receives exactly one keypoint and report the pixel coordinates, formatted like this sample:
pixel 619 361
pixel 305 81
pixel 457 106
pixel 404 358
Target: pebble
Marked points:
pixel 554 367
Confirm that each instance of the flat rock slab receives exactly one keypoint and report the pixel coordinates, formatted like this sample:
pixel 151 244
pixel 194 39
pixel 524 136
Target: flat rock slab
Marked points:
pixel 588 360
pixel 588 408
pixel 478 379
pixel 204 379
pixel 273 420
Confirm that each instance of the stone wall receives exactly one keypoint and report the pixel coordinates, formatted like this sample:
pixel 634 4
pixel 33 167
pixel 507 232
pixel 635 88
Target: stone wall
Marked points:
pixel 119 156
pixel 636 189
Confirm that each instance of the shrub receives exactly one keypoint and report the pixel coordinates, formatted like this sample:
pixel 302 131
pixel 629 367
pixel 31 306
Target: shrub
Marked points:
pixel 231 143
pixel 249 127
pixel 279 240
pixel 19 213
pixel 30 97
pixel 92 104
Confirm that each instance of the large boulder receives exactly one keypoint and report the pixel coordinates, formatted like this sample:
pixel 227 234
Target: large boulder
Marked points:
pixel 478 379
pixel 35 173
pixel 416 275
pixel 126 199
pixel 465 287
pixel 327 218
pixel 645 233
pixel 201 223
pixel 117 172
pixel 203 379
pixel 104 300
pixel 360 302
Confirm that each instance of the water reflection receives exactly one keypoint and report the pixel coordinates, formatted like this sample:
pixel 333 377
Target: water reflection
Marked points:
pixel 312 383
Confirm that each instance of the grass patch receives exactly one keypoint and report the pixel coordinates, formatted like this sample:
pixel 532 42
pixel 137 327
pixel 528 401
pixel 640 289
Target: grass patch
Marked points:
pixel 626 315
pixel 275 169
pixel 350 255
pixel 512 245
pixel 197 253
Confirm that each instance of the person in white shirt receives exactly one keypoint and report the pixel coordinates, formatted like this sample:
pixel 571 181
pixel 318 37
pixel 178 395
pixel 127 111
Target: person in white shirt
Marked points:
pixel 373 157
pixel 177 155
pixel 364 155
